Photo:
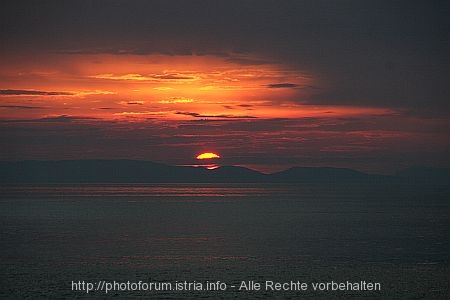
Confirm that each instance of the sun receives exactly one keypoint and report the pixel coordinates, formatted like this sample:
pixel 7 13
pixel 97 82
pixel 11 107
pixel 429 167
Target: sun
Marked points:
pixel 208 155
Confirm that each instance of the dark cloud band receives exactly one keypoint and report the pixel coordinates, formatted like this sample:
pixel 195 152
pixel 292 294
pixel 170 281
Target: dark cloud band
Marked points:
pixel 33 92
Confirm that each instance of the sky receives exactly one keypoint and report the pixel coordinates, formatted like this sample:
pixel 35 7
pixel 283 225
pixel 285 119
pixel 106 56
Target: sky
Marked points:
pixel 265 84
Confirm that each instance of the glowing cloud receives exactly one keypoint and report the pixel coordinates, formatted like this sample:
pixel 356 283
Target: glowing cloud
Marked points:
pixel 176 100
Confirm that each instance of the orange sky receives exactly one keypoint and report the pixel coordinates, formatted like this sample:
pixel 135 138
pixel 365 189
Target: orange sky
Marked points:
pixel 269 86
pixel 169 108
pixel 114 87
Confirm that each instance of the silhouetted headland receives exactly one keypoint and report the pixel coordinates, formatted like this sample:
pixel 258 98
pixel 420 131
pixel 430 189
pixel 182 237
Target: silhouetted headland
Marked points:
pixel 133 171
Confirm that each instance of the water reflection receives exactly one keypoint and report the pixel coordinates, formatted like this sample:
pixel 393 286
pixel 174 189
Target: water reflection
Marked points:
pixel 220 231
pixel 145 190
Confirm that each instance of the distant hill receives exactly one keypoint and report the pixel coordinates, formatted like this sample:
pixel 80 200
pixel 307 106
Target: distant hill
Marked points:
pixel 132 171
pixel 425 175
pixel 80 171
pixel 234 174
pixel 110 171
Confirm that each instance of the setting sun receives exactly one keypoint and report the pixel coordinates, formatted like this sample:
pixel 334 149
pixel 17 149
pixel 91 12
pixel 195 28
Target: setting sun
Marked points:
pixel 207 155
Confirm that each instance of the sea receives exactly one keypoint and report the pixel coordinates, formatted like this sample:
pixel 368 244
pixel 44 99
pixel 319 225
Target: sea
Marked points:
pixel 222 241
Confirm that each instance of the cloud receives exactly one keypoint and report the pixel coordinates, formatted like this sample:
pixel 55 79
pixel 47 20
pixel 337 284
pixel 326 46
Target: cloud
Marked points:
pixel 139 50
pixel 282 85
pixel 245 106
pixel 33 92
pixel 356 53
pixel 21 107
pixel 137 77
pixel 139 113
pixel 96 92
pixel 11 92
pixel 400 50
pixel 173 100
pixel 135 102
pixel 358 142
pixel 172 76
pixel 51 119
pixel 150 77
pixel 64 118
pixel 220 116
pixel 152 49
pixel 105 108
pixel 247 61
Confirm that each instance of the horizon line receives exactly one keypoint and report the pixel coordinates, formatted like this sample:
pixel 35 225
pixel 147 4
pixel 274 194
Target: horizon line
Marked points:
pixel 213 167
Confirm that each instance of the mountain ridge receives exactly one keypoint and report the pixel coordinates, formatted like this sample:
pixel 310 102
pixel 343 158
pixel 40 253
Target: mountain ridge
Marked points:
pixel 137 171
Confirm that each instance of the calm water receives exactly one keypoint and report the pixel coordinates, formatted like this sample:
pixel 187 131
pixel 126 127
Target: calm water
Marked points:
pixel 395 235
